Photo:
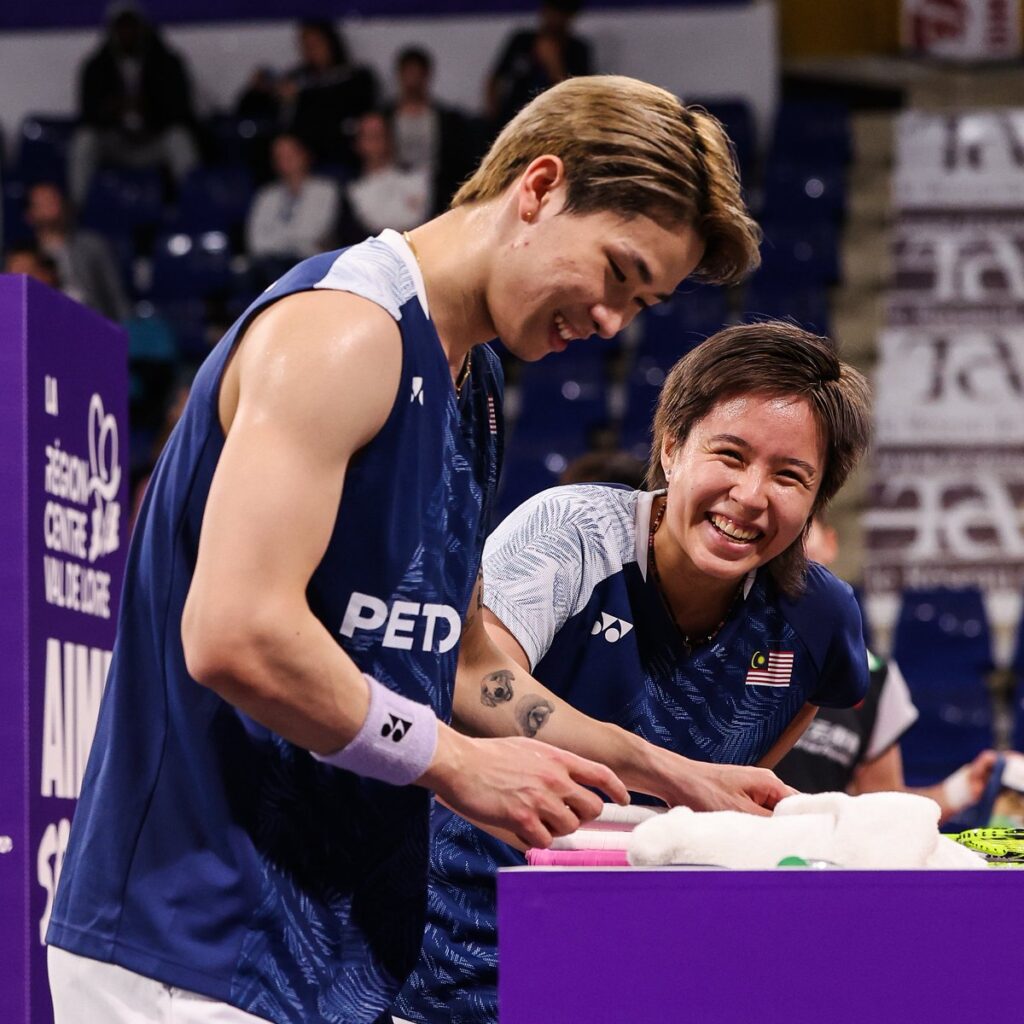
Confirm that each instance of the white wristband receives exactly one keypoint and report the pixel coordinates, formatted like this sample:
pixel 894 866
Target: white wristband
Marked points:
pixel 396 742
pixel 956 790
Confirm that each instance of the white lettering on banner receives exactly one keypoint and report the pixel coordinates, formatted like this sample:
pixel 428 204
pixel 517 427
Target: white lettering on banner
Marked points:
pixel 75 676
pixel 81 589
pixel 85 536
pixel 975 264
pixel 936 387
pixel 51 396
pixel 49 862
pixel 962 161
pixel 949 517
pixel 365 613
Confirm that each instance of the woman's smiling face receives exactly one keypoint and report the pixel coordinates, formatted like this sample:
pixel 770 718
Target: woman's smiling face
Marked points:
pixel 742 485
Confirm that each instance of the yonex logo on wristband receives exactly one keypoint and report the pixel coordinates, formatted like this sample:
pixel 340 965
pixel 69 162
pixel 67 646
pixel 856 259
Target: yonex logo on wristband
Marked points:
pixel 396 728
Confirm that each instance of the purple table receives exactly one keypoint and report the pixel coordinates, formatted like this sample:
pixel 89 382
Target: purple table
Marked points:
pixel 63 515
pixel 626 946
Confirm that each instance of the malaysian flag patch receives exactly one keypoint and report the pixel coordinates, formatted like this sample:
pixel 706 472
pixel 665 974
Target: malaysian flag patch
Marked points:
pixel 492 416
pixel 772 669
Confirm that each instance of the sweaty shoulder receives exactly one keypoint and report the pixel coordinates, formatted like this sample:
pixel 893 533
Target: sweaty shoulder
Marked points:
pixel 336 313
pixel 332 358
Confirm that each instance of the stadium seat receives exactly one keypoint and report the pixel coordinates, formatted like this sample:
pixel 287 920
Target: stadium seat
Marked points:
pixel 942 643
pixel 191 266
pixel 566 399
pixel 530 467
pixel 44 141
pixel 214 199
pixel 14 229
pixel 815 135
pixel 124 201
pixel 793 192
pixel 1017 667
pixel 804 254
pixel 777 298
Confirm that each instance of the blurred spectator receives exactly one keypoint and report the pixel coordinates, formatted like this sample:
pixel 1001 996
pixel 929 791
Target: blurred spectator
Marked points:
pixel 535 59
pixel 320 100
pixel 606 467
pixel 384 195
pixel 135 104
pixel 293 217
pixel 429 135
pixel 25 258
pixel 857 749
pixel 86 267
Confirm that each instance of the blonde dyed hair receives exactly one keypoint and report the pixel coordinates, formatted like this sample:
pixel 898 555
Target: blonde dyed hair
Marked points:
pixel 631 148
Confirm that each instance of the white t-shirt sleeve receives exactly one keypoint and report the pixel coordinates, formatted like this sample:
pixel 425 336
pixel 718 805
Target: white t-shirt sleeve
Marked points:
pixel 542 563
pixel 896 713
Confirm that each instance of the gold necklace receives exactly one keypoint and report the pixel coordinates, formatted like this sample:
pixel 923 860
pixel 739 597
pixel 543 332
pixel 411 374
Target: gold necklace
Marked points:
pixel 468 361
pixel 689 642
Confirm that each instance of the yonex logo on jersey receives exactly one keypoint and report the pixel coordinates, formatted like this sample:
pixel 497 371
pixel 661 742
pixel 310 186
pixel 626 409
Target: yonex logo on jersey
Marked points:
pixel 396 728
pixel 407 624
pixel 417 390
pixel 613 628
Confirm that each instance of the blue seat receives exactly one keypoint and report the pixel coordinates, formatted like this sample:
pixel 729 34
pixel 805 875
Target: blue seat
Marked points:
pixel 643 386
pixel 214 199
pixel 802 253
pixel 14 227
pixel 44 141
pixel 239 141
pixel 815 134
pixel 124 201
pixel 769 297
pixel 530 467
pixel 1017 667
pixel 191 266
pixel 793 192
pixel 942 643
pixel 564 402
pixel 669 330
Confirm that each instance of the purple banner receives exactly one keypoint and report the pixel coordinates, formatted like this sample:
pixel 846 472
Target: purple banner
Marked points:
pixel 776 947
pixel 64 480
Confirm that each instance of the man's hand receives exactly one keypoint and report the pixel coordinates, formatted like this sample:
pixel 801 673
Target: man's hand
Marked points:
pixel 529 788
pixel 712 787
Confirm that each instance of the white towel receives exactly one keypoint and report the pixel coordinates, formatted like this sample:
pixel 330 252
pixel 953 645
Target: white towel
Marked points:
pixel 730 839
pixel 876 830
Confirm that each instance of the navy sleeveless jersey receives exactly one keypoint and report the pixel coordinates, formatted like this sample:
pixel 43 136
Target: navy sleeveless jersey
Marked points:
pixel 567 574
pixel 206 851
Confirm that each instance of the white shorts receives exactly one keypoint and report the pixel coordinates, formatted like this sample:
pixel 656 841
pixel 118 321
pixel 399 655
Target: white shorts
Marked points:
pixel 88 991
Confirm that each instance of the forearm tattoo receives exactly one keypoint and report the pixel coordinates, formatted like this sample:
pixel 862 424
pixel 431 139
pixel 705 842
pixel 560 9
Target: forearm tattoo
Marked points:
pixel 532 713
pixel 496 688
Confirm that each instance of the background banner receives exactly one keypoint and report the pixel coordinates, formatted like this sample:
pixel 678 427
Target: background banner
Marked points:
pixel 63 503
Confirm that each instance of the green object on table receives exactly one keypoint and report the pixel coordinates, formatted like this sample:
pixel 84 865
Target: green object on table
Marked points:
pixel 792 862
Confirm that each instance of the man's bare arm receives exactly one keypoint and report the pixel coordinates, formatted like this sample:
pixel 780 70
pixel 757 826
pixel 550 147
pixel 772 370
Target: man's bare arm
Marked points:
pixel 313 381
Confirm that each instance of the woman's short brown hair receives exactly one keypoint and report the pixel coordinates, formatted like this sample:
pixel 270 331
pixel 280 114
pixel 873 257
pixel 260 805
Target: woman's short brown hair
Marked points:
pixel 631 148
pixel 776 359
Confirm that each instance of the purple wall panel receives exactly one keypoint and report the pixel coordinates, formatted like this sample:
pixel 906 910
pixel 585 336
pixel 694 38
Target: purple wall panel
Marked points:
pixel 63 404
pixel 779 947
